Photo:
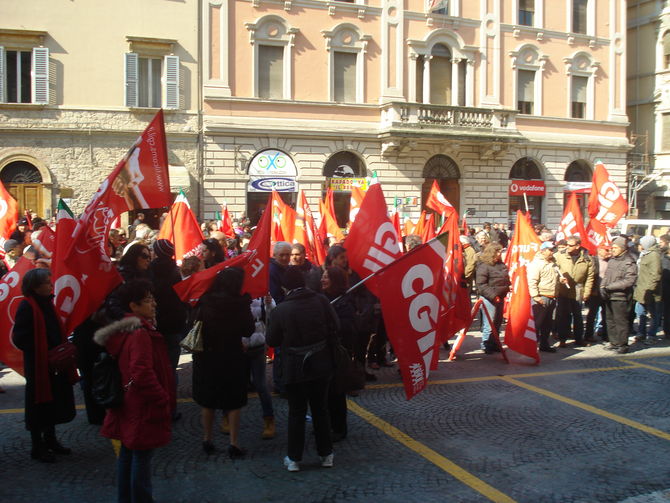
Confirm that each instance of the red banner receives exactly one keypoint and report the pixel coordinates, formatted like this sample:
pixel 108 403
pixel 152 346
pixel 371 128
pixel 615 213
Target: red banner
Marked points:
pixel 10 298
pixel 307 233
pixel 411 293
pixel 606 203
pixel 572 223
pixel 524 243
pixel 520 333
pixel 181 228
pixel 372 242
pixel 528 187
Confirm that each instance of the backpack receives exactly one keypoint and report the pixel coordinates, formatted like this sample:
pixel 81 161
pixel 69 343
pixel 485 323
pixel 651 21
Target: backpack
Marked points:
pixel 106 387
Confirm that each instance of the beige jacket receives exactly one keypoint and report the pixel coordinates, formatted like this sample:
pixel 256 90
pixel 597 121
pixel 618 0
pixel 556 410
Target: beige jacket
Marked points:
pixel 542 277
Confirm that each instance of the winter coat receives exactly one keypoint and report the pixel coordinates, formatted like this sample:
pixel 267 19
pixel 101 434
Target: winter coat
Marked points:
pixel 666 277
pixel 312 275
pixel 113 308
pixel 220 371
pixel 171 312
pixel 302 326
pixel 276 277
pixel 617 284
pixel 144 421
pixel 39 416
pixel 346 313
pixel 542 277
pixel 492 280
pixel 650 271
pixel 580 275
pixel 470 259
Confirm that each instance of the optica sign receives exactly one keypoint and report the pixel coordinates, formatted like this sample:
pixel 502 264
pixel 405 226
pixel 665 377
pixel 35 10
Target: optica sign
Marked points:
pixel 528 187
pixel 267 184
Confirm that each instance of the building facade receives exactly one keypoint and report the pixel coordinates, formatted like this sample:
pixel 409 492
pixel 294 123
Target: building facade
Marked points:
pixel 493 98
pixel 649 107
pixel 80 81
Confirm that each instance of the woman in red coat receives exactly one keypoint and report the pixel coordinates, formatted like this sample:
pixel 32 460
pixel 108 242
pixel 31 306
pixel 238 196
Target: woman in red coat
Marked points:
pixel 144 421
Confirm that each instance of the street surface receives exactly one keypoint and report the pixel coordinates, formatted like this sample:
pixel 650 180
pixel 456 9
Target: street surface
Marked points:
pixel 585 425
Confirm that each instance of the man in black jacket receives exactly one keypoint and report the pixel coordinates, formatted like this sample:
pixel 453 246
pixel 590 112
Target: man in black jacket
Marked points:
pixel 616 289
pixel 302 326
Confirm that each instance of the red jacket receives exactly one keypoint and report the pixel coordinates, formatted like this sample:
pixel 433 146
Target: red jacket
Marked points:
pixel 144 421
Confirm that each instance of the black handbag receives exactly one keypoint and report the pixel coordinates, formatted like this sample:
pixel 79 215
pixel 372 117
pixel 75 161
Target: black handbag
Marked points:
pixel 106 386
pixel 349 374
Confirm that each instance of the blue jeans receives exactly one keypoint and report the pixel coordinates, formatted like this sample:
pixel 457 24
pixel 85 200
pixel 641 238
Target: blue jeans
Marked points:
pixel 495 312
pixel 257 368
pixel 652 310
pixel 134 476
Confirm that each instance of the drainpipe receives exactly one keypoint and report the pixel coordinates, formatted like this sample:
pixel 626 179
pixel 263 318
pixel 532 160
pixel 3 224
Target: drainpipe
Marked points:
pixel 200 139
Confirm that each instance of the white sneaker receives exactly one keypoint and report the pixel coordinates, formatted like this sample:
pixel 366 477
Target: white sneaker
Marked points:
pixel 327 461
pixel 292 466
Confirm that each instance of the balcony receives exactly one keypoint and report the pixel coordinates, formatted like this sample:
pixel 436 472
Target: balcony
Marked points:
pixel 397 116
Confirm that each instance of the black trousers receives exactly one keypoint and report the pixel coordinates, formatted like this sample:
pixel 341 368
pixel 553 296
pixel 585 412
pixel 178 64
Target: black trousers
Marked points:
pixel 569 313
pixel 594 304
pixel 314 393
pixel 543 320
pixel 618 327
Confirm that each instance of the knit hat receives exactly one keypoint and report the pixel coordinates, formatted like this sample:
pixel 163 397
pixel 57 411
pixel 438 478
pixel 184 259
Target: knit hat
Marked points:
pixel 163 248
pixel 620 242
pixel 547 245
pixel 10 244
pixel 647 242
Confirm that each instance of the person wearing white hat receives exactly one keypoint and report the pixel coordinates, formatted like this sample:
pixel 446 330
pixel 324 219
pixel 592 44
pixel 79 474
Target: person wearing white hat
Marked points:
pixel 647 293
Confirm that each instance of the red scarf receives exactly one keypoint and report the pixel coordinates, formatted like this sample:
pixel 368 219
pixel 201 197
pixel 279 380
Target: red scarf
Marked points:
pixel 42 381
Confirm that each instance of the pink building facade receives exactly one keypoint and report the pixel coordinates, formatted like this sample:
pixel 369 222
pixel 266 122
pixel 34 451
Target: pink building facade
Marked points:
pixel 493 98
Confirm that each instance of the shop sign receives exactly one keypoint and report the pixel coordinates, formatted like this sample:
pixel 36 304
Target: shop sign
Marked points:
pixel 271 163
pixel 528 187
pixel 268 184
pixel 579 187
pixel 345 184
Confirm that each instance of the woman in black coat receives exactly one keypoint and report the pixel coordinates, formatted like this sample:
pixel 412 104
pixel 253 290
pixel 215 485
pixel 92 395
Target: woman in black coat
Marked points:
pixel 492 279
pixel 220 371
pixel 49 396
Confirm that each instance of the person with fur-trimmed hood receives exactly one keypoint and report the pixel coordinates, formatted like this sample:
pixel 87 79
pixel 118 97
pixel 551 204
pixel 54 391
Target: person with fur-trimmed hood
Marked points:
pixel 144 421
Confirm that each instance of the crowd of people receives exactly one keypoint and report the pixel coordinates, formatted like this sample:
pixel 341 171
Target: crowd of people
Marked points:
pixel 308 312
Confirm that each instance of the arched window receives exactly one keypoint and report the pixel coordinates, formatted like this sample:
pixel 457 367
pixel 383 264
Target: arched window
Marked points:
pixel 526 168
pixel 443 169
pixel 346 46
pixel 528 65
pixel 578 171
pixel 20 172
pixel 343 164
pixel 581 71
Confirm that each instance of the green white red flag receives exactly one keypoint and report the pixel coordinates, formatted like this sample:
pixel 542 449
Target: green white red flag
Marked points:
pixel 181 228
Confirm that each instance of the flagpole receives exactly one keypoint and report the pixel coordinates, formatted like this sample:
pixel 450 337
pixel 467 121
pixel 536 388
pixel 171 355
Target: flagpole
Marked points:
pixel 525 200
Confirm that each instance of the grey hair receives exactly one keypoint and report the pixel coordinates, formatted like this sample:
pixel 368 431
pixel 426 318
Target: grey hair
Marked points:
pixel 281 245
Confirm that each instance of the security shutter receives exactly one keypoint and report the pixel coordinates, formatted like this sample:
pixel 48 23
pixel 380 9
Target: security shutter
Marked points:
pixel 131 79
pixel 40 74
pixel 171 64
pixel 2 74
pixel 344 77
pixel 526 85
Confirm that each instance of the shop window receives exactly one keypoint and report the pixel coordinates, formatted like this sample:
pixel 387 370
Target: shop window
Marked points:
pixel 270 72
pixel 525 169
pixel 578 171
pixel 343 165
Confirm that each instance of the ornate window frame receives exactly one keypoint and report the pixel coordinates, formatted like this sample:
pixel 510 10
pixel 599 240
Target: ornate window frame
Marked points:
pixel 582 64
pixel 273 30
pixel 346 37
pixel 528 57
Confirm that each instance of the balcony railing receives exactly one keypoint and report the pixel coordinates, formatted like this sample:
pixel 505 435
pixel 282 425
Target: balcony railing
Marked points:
pixel 398 114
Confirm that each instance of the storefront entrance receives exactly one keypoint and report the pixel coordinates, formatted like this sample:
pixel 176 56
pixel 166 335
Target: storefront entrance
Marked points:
pixel 270 170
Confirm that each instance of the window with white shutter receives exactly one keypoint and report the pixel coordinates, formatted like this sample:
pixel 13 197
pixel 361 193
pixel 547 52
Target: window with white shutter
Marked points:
pixel 171 64
pixel 131 72
pixel 2 74
pixel 526 91
pixel 579 87
pixel 40 74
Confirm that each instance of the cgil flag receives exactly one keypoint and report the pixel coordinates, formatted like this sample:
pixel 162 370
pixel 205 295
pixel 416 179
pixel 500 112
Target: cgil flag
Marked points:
pixel 9 216
pixel 437 202
pixel 226 222
pixel 520 333
pixel 572 223
pixel 606 203
pixel 307 232
pixel 524 244
pixel 357 196
pixel 181 228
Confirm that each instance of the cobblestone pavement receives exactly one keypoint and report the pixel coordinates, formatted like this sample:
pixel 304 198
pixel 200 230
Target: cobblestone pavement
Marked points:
pixel 583 426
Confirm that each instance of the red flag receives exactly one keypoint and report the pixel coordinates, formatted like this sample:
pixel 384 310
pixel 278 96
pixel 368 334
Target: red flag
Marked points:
pixel 428 231
pixel 524 244
pixel 44 241
pixel 328 226
pixel 408 227
pixel 606 203
pixel 80 286
pixel 520 333
pixel 226 222
pixel 571 223
pixel 420 224
pixel 181 228
pixel 597 234
pixel 10 298
pixel 307 233
pixel 372 242
pixel 9 214
pixel 255 262
pixel 357 196
pixel 283 219
pixel 410 291
pixel 437 202
pixel 395 220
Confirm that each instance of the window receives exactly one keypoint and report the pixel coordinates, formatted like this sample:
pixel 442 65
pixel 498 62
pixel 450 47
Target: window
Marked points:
pixel 579 86
pixel 439 7
pixel 526 12
pixel 440 75
pixel 270 72
pixel 665 136
pixel 666 50
pixel 152 82
pixel 24 75
pixel 526 91
pixel 345 77
pixel 579 16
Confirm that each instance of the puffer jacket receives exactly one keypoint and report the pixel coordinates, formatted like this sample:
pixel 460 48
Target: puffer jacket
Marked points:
pixel 580 275
pixel 144 421
pixel 648 285
pixel 617 284
pixel 542 277
pixel 492 280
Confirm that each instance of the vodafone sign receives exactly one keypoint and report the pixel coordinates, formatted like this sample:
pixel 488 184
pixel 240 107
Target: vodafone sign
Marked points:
pixel 528 187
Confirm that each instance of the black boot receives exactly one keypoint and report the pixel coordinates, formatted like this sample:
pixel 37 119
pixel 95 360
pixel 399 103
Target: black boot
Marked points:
pixel 53 444
pixel 40 451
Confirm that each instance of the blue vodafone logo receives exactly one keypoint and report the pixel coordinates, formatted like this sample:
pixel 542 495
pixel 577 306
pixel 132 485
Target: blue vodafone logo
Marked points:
pixel 278 184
